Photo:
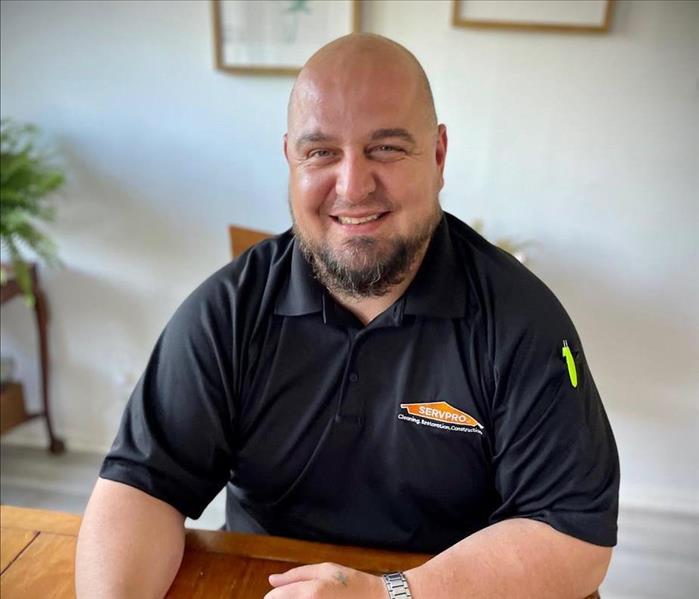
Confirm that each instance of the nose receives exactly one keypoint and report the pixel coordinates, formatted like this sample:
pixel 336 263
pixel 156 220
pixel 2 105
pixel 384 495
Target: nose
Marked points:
pixel 355 178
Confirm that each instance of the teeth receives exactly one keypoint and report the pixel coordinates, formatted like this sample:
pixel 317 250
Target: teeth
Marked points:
pixel 346 220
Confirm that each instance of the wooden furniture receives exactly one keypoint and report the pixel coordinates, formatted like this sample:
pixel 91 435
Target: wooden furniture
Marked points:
pixel 12 407
pixel 241 239
pixel 9 393
pixel 37 550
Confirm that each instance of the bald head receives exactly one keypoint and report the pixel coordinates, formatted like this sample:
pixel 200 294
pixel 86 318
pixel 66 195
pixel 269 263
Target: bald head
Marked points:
pixel 361 59
pixel 366 160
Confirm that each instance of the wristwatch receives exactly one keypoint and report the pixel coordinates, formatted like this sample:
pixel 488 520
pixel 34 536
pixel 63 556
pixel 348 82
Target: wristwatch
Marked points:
pixel 397 585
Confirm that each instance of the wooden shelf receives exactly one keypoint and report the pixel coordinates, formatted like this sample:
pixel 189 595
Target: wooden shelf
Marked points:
pixel 13 412
pixel 13 409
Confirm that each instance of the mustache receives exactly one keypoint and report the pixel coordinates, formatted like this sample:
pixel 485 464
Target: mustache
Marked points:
pixel 369 205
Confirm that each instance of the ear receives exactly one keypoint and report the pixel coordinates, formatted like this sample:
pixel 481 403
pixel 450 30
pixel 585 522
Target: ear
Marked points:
pixel 441 151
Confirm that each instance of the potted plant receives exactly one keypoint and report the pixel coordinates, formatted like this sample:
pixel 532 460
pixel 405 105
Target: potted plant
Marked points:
pixel 27 179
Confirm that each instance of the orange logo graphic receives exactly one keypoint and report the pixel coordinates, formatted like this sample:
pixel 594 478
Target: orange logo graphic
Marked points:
pixel 441 411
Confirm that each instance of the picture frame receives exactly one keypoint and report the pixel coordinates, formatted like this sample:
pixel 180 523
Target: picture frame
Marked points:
pixel 276 37
pixel 563 16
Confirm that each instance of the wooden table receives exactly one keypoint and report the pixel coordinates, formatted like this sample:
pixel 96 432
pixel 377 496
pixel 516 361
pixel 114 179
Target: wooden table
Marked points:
pixel 37 550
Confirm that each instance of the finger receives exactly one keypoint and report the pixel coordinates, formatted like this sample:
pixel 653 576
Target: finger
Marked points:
pixel 289 591
pixel 309 572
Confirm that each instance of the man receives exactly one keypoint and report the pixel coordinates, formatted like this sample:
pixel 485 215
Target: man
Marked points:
pixel 381 376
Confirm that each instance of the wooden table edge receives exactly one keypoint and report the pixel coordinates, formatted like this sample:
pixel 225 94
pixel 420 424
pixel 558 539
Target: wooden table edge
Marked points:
pixel 39 520
pixel 232 543
pixel 283 549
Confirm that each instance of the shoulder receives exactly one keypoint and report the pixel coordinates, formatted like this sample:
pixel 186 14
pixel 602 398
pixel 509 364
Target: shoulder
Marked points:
pixel 504 291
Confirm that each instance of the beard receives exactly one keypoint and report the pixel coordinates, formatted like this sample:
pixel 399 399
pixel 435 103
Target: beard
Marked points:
pixel 363 266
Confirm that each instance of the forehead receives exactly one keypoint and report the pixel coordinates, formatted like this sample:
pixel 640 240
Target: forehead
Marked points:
pixel 356 101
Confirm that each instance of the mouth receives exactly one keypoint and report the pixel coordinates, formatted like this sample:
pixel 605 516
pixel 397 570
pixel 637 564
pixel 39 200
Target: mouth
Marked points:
pixel 362 221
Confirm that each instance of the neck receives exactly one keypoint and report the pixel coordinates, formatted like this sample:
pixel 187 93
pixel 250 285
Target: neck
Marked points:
pixel 368 308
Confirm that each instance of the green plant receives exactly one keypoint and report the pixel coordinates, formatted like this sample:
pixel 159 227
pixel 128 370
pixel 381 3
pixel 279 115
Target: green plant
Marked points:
pixel 27 180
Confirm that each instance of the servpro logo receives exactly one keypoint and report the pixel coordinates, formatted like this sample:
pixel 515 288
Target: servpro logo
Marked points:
pixel 440 414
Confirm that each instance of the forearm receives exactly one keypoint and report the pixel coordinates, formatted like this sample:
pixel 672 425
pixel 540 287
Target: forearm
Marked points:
pixel 130 545
pixel 515 558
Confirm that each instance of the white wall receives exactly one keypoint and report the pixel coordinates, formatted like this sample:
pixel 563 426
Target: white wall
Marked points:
pixel 587 145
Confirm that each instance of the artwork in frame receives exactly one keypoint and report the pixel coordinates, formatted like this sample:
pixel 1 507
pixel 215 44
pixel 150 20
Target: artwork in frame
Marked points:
pixel 276 37
pixel 574 16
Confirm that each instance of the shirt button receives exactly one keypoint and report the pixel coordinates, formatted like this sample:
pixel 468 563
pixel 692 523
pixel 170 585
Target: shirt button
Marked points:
pixel 353 377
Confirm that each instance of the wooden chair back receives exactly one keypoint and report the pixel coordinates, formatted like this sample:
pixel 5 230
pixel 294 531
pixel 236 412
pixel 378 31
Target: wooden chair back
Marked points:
pixel 242 238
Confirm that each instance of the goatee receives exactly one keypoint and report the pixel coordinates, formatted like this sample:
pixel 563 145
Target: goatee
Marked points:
pixel 363 266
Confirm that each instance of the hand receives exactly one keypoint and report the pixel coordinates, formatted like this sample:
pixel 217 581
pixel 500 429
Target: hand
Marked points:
pixel 326 581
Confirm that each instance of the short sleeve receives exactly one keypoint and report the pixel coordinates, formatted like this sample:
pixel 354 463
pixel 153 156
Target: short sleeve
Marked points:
pixel 555 458
pixel 175 437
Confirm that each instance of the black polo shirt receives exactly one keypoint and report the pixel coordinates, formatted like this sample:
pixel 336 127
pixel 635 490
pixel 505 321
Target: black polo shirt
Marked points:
pixel 454 409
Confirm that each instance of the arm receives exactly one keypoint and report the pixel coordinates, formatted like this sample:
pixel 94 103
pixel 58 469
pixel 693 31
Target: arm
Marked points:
pixel 518 558
pixel 173 444
pixel 510 559
pixel 130 544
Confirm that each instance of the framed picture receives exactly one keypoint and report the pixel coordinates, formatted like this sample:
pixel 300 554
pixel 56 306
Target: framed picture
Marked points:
pixel 276 37
pixel 575 16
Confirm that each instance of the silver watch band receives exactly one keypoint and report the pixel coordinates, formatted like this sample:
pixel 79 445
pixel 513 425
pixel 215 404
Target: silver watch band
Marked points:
pixel 397 585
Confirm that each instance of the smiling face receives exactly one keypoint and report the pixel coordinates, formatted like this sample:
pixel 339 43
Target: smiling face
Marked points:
pixel 366 159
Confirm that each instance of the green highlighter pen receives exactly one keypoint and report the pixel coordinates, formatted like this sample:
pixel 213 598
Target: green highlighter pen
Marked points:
pixel 570 362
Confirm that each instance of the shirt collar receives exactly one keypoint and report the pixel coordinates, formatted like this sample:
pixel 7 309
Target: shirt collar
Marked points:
pixel 439 288
pixel 302 293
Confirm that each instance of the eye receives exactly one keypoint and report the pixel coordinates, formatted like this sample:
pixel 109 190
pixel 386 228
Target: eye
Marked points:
pixel 320 153
pixel 387 152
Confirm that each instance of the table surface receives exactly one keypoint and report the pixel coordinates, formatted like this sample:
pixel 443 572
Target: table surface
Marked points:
pixel 37 549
